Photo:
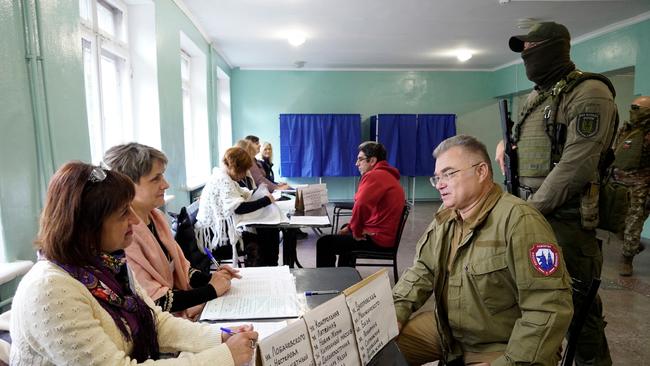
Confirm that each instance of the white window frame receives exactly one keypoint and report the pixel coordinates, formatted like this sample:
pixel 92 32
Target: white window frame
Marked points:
pixel 224 116
pixel 196 132
pixel 103 132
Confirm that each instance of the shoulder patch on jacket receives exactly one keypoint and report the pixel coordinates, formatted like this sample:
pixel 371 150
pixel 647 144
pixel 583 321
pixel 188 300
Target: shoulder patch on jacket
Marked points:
pixel 587 125
pixel 545 258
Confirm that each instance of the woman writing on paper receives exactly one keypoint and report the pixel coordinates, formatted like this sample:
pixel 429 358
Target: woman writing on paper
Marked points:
pixel 155 257
pixel 221 199
pixel 80 305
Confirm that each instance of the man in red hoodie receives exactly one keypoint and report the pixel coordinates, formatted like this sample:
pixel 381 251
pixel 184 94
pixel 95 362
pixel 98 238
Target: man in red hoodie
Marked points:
pixel 377 211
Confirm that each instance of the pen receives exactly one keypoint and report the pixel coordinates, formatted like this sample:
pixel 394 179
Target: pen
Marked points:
pixel 321 292
pixel 209 254
pixel 253 342
pixel 228 331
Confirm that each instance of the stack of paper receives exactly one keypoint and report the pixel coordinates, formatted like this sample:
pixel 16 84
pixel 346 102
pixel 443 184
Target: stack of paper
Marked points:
pixel 261 293
pixel 269 215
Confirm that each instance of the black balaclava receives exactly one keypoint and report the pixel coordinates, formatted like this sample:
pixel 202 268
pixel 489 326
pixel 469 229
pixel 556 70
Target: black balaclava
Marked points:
pixel 548 62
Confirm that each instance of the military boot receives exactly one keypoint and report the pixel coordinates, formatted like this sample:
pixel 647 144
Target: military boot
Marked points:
pixel 626 266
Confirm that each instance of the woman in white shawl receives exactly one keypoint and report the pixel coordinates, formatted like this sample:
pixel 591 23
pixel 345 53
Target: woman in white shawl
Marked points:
pixel 221 199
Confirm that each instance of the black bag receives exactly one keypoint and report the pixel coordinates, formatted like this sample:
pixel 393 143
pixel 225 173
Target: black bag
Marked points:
pixel 183 228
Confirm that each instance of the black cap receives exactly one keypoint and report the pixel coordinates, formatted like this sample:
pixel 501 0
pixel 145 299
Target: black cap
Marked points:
pixel 539 32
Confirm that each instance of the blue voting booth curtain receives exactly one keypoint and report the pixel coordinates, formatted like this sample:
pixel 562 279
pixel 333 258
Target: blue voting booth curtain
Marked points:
pixel 397 132
pixel 410 139
pixel 432 129
pixel 319 145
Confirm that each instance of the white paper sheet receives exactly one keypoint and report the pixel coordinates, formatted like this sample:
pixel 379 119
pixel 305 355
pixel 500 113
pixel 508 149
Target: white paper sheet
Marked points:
pixel 263 293
pixel 263 329
pixel 309 220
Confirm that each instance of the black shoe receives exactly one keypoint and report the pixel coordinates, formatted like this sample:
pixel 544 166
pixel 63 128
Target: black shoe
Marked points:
pixel 301 235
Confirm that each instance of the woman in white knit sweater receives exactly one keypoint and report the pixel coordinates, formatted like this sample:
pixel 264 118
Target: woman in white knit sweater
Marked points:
pixel 79 305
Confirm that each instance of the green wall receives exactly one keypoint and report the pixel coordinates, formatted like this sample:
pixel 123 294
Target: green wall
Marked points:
pixel 257 99
pixel 64 97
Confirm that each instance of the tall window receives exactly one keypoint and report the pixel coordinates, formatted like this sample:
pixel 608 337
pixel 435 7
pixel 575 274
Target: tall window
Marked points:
pixel 106 73
pixel 195 113
pixel 224 118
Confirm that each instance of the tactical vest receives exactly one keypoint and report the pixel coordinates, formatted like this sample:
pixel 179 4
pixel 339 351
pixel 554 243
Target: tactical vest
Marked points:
pixel 539 136
pixel 632 148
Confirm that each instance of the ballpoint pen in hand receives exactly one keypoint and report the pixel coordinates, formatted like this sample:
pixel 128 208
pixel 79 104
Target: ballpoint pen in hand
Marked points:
pixel 214 261
pixel 322 292
pixel 253 342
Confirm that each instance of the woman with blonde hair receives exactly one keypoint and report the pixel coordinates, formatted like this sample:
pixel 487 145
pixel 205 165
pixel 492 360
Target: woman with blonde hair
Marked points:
pixel 265 160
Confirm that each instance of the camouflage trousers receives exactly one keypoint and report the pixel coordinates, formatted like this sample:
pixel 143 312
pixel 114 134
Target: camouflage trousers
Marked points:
pixel 636 215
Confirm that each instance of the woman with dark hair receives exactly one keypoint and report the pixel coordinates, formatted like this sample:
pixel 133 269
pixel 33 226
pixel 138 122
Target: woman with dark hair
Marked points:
pixel 223 197
pixel 79 305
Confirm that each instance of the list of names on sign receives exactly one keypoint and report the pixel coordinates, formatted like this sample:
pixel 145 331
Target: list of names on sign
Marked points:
pixel 332 336
pixel 373 315
pixel 289 347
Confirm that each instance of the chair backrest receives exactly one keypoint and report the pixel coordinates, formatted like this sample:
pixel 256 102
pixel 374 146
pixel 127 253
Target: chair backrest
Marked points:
pixel 183 228
pixel 402 224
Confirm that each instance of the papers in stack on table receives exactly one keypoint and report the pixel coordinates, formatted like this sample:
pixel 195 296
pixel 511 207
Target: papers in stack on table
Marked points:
pixel 261 293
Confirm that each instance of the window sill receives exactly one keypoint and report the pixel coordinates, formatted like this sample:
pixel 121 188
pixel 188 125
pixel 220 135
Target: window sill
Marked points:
pixel 9 271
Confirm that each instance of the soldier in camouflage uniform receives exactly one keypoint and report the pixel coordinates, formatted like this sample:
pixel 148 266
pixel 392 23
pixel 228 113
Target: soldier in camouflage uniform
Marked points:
pixel 632 169
pixel 502 291
pixel 562 136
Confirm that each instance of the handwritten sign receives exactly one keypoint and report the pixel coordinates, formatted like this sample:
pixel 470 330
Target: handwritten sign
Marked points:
pixel 287 347
pixel 331 334
pixel 373 314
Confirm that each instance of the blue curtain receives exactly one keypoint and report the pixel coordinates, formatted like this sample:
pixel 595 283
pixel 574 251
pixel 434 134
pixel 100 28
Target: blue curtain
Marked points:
pixel 319 145
pixel 397 132
pixel 431 130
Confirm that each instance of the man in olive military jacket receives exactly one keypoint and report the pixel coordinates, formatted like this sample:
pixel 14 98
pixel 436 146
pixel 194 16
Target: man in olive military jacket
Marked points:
pixel 502 292
pixel 562 135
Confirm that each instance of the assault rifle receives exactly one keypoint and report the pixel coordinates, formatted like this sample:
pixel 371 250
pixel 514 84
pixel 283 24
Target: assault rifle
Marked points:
pixel 510 157
pixel 579 316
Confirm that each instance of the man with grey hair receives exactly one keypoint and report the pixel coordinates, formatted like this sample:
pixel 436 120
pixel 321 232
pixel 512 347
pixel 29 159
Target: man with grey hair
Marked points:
pixel 502 292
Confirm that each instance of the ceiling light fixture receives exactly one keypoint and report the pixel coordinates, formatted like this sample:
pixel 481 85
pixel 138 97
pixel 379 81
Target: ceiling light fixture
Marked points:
pixel 296 38
pixel 463 55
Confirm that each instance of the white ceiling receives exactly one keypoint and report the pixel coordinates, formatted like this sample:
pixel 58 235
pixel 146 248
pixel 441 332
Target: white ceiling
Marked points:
pixel 391 34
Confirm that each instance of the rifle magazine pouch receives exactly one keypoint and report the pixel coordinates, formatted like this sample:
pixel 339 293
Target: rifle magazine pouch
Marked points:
pixel 589 207
pixel 614 202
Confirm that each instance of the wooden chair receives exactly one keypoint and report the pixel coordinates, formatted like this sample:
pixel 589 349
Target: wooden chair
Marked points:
pixel 384 255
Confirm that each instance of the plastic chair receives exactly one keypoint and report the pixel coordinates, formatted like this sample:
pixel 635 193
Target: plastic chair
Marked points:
pixel 384 255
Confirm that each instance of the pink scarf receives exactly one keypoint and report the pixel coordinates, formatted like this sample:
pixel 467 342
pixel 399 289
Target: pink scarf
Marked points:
pixel 150 265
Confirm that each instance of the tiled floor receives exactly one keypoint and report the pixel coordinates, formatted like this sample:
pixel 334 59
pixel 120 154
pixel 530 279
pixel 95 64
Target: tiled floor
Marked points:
pixel 626 300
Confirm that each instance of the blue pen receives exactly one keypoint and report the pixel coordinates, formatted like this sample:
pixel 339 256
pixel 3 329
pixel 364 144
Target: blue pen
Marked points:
pixel 228 331
pixel 321 292
pixel 209 254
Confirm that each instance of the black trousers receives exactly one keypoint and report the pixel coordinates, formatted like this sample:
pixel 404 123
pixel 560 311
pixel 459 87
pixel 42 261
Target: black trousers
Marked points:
pixel 261 249
pixel 329 246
